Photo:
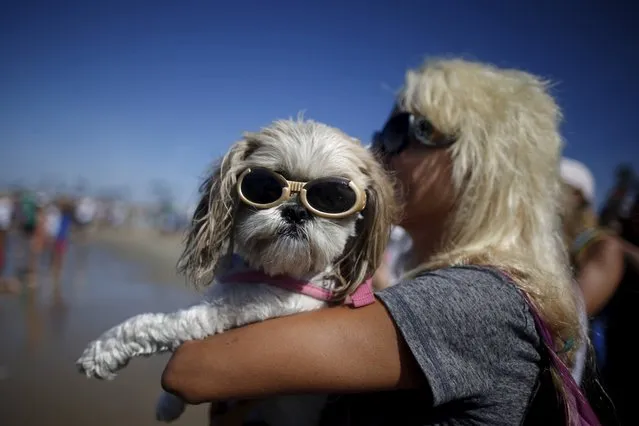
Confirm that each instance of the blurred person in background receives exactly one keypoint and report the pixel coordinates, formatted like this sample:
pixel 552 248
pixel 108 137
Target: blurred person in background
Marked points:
pixel 613 210
pixel 6 215
pixel 85 217
pixel 620 371
pixel 85 213
pixel 629 223
pixel 61 239
pixel 32 221
pixel 27 214
pixel 52 218
pixel 597 256
pixel 630 234
pixel 597 264
pixel 9 285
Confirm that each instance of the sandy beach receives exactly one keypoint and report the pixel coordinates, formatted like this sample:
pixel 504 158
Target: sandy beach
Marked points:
pixel 115 275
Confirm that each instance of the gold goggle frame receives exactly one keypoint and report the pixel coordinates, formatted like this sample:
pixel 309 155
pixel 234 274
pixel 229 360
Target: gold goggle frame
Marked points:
pixel 291 187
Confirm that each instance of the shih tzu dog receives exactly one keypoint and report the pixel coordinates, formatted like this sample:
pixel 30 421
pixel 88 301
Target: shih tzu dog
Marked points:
pixel 295 217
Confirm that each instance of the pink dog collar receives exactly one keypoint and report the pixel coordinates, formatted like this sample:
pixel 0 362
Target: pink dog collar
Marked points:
pixel 362 296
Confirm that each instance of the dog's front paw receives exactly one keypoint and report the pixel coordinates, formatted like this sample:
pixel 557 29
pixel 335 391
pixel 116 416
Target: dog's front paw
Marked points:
pixel 169 408
pixel 101 360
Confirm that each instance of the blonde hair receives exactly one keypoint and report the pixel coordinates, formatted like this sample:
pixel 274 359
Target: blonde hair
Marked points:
pixel 506 176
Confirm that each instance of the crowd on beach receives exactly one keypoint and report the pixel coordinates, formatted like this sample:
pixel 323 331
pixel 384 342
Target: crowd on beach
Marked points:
pixel 44 226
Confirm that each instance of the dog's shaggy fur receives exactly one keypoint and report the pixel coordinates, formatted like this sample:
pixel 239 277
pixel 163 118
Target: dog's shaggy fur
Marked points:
pixel 337 254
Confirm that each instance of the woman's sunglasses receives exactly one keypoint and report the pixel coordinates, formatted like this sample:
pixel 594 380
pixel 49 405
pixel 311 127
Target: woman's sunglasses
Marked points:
pixel 329 197
pixel 405 127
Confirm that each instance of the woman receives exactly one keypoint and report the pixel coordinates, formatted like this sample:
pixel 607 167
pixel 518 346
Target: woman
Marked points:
pixel 52 223
pixel 61 236
pixel 475 150
pixel 596 257
pixel 7 285
pixel 85 212
pixel 6 216
pixel 35 232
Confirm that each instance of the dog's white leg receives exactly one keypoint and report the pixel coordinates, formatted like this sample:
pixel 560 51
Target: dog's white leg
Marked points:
pixel 148 334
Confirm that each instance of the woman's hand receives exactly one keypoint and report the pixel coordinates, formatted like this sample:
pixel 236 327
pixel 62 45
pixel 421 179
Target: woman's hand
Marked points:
pixel 336 350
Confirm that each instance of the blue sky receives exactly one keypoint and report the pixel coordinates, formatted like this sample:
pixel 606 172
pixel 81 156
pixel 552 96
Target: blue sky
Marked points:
pixel 123 93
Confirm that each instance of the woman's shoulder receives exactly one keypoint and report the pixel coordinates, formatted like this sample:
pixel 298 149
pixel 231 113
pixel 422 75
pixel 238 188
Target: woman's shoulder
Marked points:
pixel 470 299
pixel 479 274
pixel 472 334
pixel 469 282
pixel 458 274
pixel 479 295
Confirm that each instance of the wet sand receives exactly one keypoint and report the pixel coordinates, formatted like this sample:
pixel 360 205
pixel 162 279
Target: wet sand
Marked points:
pixel 45 330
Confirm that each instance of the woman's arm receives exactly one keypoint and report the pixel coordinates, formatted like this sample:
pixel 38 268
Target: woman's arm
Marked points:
pixel 600 271
pixel 334 350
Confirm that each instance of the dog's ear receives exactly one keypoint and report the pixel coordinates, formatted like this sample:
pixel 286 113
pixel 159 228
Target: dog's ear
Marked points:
pixel 211 228
pixel 365 251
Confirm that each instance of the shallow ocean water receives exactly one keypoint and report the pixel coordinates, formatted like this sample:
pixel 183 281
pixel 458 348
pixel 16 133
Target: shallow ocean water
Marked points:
pixel 45 330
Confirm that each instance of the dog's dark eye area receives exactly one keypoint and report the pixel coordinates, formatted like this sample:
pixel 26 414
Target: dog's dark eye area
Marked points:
pixel 261 187
pixel 330 195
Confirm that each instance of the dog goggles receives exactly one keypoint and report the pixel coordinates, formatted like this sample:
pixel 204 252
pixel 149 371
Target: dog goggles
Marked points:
pixel 329 197
pixel 405 127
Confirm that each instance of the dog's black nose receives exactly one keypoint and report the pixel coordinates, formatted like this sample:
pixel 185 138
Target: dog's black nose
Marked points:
pixel 295 213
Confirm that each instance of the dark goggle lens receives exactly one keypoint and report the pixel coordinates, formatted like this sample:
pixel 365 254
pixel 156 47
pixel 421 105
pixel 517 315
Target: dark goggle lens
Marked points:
pixel 330 195
pixel 261 187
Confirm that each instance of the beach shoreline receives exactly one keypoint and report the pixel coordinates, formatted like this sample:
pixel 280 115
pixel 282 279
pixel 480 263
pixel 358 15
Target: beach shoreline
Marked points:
pixel 158 254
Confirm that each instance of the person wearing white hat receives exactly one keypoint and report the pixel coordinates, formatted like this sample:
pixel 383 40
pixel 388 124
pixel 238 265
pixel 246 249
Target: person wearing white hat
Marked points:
pixel 579 177
pixel 597 257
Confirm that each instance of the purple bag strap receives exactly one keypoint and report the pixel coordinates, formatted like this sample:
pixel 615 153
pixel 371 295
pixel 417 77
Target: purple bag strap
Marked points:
pixel 578 409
